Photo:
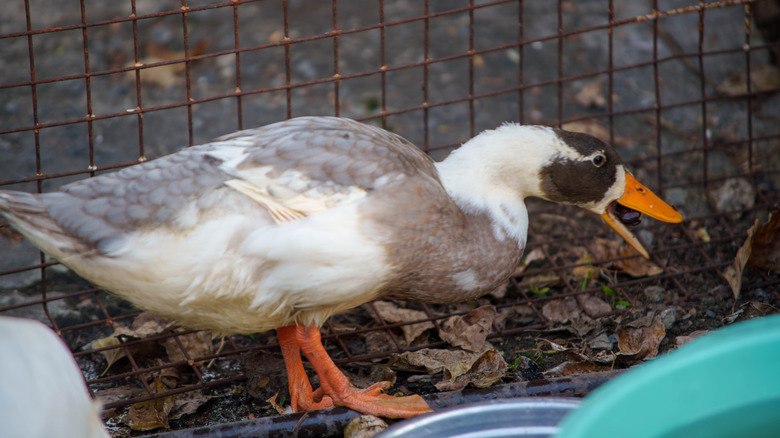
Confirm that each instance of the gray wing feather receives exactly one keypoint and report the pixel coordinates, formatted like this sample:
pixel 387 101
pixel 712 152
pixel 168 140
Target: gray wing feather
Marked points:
pixel 334 150
pixel 100 212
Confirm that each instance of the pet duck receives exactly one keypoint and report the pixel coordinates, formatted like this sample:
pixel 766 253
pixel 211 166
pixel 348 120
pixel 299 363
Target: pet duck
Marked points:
pixel 282 226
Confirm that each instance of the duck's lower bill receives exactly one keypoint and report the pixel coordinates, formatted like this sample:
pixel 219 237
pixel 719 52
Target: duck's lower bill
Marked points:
pixel 641 199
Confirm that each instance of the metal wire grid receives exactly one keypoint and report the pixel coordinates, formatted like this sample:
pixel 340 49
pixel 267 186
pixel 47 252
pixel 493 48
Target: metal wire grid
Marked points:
pixel 686 258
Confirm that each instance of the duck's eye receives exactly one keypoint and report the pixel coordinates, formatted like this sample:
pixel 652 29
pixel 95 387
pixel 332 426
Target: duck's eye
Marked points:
pixel 599 160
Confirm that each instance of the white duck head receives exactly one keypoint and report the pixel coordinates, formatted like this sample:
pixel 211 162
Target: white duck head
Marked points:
pixel 574 168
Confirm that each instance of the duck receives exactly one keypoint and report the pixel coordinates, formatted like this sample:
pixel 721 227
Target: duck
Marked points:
pixel 42 390
pixel 282 226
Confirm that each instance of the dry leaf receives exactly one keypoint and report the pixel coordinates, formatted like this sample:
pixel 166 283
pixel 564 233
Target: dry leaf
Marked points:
pixel 111 355
pixel 763 77
pixel 682 340
pixel 480 371
pixel 277 407
pixel 735 194
pixel 750 310
pixel 594 307
pixel 151 414
pixel 187 403
pixel 761 250
pixel 377 342
pixel 766 245
pixel 733 273
pixel 590 127
pixel 573 368
pixel 469 331
pixel 364 426
pixel 528 259
pixel 165 75
pixel 641 338
pixel 577 363
pixel 433 361
pixel 703 235
pixel 568 311
pixel 634 266
pixel 586 271
pixel 592 95
pixel 144 325
pixel 600 342
pixel 394 314
pixel 196 344
pixel 540 281
pixel 380 373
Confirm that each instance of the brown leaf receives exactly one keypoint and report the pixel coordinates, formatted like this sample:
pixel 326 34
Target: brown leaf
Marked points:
pixel 111 355
pixel 528 259
pixel 590 127
pixel 567 310
pixel 277 407
pixel 734 194
pixel 766 245
pixel 480 370
pixel 750 310
pixel 575 368
pixel 394 314
pixel 164 75
pixel 540 281
pixel 641 338
pixel 592 95
pixel 433 361
pixel 594 307
pixel 151 414
pixel 187 403
pixel 586 271
pixel 633 266
pixel 379 373
pixel 763 77
pixel 577 363
pixel 196 344
pixel 377 342
pixel 145 325
pixel 733 273
pixel 364 426
pixel 682 340
pixel 469 331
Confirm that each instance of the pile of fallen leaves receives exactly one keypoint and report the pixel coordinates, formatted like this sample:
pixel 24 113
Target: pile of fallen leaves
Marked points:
pixel 156 413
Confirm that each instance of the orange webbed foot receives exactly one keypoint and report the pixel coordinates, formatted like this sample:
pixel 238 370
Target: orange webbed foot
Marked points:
pixel 335 388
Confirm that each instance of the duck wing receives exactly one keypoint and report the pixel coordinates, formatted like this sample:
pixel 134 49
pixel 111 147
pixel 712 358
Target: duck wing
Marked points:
pixel 292 169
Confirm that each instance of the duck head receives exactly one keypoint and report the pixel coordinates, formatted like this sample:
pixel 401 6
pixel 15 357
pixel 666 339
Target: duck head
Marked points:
pixel 497 169
pixel 589 173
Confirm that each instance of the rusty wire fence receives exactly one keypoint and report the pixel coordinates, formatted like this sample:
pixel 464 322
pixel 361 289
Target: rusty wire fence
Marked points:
pixel 686 90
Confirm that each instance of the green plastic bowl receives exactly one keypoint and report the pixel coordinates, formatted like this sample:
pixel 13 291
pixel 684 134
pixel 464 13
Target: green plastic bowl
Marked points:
pixel 724 384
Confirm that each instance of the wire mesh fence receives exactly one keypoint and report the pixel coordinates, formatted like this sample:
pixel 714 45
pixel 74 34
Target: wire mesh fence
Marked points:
pixel 685 90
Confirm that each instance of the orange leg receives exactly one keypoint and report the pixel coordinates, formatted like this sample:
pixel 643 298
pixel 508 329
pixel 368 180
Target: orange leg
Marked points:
pixel 335 386
pixel 301 395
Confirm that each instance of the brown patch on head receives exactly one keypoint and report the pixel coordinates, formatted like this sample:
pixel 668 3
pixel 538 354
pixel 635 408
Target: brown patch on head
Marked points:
pixel 580 181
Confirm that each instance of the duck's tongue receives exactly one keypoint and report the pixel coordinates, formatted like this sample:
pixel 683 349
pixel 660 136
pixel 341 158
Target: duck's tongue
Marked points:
pixel 637 199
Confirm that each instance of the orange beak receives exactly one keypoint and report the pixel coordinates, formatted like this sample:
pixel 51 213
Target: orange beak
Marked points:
pixel 640 198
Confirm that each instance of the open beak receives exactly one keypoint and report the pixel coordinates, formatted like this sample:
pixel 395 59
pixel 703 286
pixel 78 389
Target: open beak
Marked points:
pixel 640 198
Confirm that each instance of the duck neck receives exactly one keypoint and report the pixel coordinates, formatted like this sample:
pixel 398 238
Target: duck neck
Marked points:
pixel 472 189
